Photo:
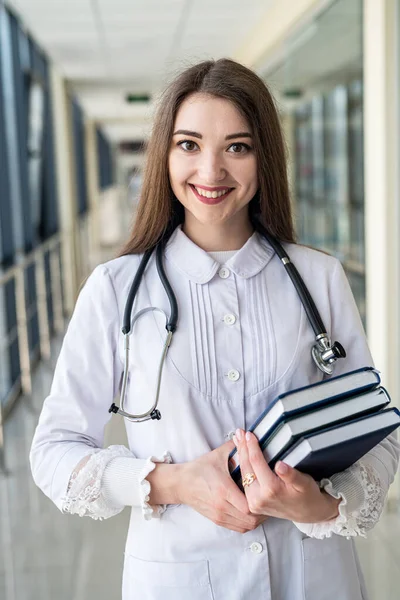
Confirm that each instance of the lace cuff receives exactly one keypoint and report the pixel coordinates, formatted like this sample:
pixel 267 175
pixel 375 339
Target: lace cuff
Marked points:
pixel 149 511
pixel 106 481
pixel 362 503
pixel 84 495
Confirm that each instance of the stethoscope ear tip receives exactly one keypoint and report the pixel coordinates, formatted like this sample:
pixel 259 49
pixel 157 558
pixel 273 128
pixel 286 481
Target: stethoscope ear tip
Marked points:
pixel 338 350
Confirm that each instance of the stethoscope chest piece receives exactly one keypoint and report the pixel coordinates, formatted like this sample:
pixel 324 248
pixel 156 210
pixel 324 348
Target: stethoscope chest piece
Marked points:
pixel 325 354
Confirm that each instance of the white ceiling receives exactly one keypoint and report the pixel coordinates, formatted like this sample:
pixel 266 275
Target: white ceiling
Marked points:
pixel 106 48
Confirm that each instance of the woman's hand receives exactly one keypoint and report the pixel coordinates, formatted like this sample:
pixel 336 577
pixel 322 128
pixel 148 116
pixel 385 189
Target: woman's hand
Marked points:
pixel 285 493
pixel 205 484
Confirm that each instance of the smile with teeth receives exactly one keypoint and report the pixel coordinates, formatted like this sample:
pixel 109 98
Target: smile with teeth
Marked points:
pixel 214 194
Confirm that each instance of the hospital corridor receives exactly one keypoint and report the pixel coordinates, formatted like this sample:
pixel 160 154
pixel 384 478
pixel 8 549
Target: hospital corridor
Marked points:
pixel 80 82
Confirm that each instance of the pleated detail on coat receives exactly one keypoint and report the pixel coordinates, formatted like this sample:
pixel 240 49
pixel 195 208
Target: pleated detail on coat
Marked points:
pixel 262 334
pixel 203 353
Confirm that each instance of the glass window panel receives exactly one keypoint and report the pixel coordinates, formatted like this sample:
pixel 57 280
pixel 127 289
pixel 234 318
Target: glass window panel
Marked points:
pixel 319 83
pixel 35 148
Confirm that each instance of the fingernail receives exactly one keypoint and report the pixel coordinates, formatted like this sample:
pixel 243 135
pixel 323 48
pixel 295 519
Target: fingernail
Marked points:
pixel 239 434
pixel 248 436
pixel 234 440
pixel 282 467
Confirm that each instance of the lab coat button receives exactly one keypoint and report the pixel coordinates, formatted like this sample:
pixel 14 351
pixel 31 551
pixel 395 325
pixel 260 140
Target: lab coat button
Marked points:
pixel 256 547
pixel 229 319
pixel 233 375
pixel 224 273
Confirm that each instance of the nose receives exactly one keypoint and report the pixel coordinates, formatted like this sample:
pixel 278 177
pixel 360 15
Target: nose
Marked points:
pixel 211 168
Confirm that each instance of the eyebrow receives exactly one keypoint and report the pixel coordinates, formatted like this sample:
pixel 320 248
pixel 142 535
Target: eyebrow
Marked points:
pixel 232 136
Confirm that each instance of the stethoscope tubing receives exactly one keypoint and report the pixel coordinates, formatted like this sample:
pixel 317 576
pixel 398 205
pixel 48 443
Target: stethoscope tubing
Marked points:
pixel 140 417
pixel 173 318
pixel 126 324
pixel 306 299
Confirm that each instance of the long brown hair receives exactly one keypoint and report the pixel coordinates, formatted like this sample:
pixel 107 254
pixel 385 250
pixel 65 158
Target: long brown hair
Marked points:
pixel 158 211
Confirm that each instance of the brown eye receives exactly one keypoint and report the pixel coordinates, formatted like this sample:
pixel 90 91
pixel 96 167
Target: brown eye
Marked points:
pixel 187 145
pixel 239 148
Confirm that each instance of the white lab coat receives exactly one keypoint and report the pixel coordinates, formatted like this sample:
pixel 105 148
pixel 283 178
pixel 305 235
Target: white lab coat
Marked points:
pixel 219 374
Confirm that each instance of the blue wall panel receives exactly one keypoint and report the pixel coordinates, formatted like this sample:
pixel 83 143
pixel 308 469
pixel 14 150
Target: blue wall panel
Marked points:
pixel 21 108
pixel 49 218
pixel 28 191
pixel 105 160
pixel 6 237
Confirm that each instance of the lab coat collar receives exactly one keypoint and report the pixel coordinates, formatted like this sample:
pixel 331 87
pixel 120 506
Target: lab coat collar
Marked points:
pixel 200 267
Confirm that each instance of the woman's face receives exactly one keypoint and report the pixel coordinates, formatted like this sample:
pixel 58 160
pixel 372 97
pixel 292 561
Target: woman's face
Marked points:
pixel 212 164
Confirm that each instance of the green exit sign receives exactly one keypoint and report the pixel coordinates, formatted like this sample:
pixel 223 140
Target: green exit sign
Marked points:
pixel 131 98
pixel 292 93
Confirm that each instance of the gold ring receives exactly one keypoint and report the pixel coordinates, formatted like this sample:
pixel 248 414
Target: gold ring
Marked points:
pixel 248 479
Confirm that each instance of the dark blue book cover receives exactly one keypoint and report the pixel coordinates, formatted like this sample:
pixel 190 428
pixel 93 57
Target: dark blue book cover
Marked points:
pixel 325 386
pixel 325 397
pixel 320 462
pixel 324 460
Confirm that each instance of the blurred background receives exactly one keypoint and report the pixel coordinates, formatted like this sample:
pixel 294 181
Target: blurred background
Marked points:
pixel 78 84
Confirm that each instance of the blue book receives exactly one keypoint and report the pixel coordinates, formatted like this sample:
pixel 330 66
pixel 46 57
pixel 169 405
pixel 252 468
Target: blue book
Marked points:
pixel 306 399
pixel 286 434
pixel 335 449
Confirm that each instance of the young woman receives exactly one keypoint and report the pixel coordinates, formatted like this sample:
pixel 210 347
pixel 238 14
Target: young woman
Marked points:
pixel 215 173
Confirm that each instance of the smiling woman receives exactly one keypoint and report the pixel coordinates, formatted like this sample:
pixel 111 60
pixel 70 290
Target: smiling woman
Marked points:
pixel 216 122
pixel 215 190
pixel 214 177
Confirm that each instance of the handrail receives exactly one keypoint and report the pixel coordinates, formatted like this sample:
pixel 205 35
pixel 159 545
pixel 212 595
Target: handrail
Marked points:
pixel 48 290
pixel 28 259
pixel 77 251
pixel 24 313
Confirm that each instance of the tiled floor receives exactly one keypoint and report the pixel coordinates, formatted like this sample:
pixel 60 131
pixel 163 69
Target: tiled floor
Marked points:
pixel 45 555
pixel 48 556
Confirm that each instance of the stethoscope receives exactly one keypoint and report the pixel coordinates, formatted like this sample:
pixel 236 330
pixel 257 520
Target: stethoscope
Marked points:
pixel 324 353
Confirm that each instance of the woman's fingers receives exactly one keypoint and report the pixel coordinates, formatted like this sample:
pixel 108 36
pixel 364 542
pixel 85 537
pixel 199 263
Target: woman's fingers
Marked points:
pixel 246 466
pixel 252 459
pixel 235 497
pixel 293 478
pixel 230 490
pixel 286 494
pixel 211 491
pixel 246 520
pixel 226 515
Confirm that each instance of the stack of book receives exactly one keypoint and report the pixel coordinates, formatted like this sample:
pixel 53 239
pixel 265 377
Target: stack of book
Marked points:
pixel 324 428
